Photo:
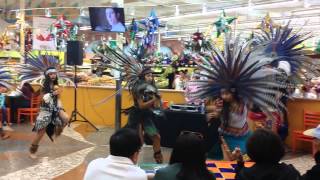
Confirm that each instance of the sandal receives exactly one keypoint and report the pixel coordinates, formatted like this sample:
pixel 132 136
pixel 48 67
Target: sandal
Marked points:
pixel 158 157
pixel 4 136
pixel 33 149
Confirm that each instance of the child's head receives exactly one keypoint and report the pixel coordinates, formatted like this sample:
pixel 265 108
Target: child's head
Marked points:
pixel 264 146
pixel 3 89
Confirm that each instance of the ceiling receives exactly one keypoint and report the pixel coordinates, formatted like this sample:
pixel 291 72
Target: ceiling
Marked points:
pixel 191 17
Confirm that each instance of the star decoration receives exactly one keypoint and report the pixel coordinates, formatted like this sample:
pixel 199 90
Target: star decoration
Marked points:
pixel 223 23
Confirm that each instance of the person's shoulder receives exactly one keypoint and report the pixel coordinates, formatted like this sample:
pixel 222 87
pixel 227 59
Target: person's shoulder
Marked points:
pixel 96 162
pixel 138 173
pixel 170 168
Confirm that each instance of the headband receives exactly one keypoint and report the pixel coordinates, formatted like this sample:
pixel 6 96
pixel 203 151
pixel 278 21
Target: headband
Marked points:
pixel 51 71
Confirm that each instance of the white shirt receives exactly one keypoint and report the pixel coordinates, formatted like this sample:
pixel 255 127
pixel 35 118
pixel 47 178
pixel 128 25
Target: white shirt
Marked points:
pixel 118 27
pixel 114 168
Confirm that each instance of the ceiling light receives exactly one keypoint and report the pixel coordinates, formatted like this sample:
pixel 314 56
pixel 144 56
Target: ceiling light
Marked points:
pixel 291 3
pixel 82 12
pixel 204 8
pixel 47 12
pixel 177 13
pixel 306 4
pixel 132 11
pixel 17 14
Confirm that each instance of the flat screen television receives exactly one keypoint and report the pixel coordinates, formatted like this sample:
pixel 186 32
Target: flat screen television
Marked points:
pixel 107 19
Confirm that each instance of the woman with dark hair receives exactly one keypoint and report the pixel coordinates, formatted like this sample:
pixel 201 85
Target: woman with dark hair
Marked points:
pixel 51 118
pixel 188 160
pixel 265 148
pixel 234 129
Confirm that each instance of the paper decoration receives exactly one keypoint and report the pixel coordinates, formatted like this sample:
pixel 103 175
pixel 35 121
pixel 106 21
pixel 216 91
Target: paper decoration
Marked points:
pixel 223 23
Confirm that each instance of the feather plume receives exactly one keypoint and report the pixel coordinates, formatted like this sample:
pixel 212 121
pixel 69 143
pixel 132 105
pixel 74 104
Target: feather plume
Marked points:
pixel 235 69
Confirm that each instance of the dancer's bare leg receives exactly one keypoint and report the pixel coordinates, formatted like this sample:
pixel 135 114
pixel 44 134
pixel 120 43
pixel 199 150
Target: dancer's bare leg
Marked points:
pixel 35 143
pixel 3 135
pixel 157 148
pixel 64 117
pixel 140 131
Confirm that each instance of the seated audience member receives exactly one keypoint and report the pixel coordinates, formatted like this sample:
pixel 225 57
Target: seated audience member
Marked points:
pixel 265 148
pixel 187 160
pixel 125 145
pixel 314 173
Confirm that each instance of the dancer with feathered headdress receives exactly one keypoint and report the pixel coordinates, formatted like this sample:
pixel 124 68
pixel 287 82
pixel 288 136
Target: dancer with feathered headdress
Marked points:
pixel 142 88
pixel 5 77
pixel 280 48
pixel 234 81
pixel 52 118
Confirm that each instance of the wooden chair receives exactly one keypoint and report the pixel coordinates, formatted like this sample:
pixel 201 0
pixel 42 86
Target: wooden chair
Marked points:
pixel 310 120
pixel 32 111
pixel 8 116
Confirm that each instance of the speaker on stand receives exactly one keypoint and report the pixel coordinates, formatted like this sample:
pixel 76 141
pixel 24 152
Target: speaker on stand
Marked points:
pixel 74 58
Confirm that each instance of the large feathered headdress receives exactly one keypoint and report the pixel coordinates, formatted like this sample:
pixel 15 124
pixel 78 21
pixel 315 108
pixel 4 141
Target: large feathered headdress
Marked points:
pixel 35 68
pixel 234 70
pixel 5 78
pixel 281 44
pixel 132 68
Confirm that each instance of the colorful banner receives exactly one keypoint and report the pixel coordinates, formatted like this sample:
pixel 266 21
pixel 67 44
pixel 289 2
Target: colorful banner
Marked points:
pixel 42 38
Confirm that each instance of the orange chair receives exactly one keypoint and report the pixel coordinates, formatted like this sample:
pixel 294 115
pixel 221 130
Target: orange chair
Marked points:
pixel 310 120
pixel 32 111
pixel 8 116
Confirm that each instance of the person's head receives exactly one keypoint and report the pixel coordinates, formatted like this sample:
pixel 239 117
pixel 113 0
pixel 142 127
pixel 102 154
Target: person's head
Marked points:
pixel 317 157
pixel 112 16
pixel 3 89
pixel 51 78
pixel 125 143
pixel 264 146
pixel 227 95
pixel 190 151
pixel 51 73
pixel 147 75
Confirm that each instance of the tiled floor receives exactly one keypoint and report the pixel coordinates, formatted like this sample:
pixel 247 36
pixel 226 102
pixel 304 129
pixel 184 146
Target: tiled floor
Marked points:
pixel 67 157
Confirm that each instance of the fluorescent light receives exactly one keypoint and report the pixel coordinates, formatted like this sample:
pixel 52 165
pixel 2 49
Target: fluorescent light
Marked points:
pixel 18 14
pixel 47 12
pixel 259 6
pixel 84 28
pixel 306 4
pixel 82 12
pixel 204 8
pixel 177 13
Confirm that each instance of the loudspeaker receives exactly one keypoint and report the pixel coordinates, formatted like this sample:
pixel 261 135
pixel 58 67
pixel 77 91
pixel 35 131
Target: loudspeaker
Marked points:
pixel 74 53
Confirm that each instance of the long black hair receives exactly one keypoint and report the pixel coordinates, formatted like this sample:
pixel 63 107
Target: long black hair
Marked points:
pixel 46 84
pixel 226 109
pixel 190 151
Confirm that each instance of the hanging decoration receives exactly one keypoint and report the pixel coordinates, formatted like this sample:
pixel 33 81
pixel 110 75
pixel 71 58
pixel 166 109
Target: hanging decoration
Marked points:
pixel 143 37
pixel 28 40
pixel 151 25
pixel 4 40
pixel 267 23
pixel 63 30
pixel 133 29
pixel 223 23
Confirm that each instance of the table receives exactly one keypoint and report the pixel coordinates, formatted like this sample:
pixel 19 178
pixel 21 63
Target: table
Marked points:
pixel 173 122
pixel 222 170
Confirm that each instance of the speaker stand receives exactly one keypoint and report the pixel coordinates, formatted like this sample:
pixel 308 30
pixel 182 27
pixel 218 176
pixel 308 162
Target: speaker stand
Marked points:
pixel 75 111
